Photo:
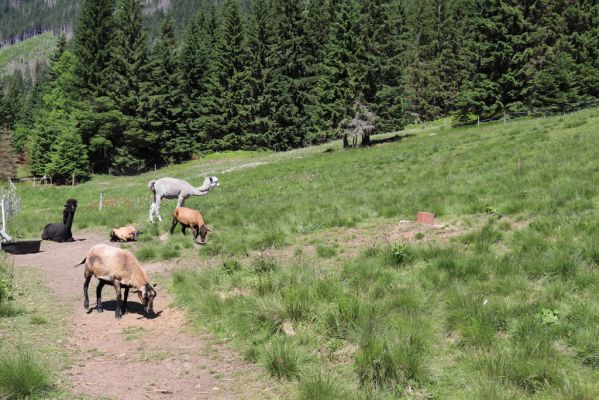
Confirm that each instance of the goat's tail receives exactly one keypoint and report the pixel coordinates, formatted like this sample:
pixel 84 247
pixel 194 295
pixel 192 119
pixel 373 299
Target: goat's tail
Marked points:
pixel 82 262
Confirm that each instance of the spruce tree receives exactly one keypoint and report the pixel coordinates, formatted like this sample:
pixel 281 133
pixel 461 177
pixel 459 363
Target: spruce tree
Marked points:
pixel 165 103
pixel 13 100
pixel 342 73
pixel 261 39
pixel 93 34
pixel 7 155
pixel 231 57
pixel 496 48
pixel 289 85
pixel 68 157
pixel 127 89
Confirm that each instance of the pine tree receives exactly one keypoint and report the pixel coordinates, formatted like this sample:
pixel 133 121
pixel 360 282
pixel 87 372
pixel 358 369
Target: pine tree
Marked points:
pixel 129 74
pixel 342 73
pixel 62 109
pixel 389 51
pixel 68 157
pixel 496 48
pixel 13 100
pixel 165 111
pixel 93 36
pixel 194 64
pixel 261 39
pixel 289 84
pixel 231 57
pixel 7 155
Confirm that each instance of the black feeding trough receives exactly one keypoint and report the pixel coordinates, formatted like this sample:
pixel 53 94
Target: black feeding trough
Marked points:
pixel 22 246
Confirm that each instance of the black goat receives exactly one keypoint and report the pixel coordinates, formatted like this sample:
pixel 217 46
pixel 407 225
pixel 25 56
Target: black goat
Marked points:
pixel 62 232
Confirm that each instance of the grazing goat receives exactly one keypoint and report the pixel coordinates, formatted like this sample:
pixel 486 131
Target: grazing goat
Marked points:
pixel 125 234
pixel 189 218
pixel 62 232
pixel 118 268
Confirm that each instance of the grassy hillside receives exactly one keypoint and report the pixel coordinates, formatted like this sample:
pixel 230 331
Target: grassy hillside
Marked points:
pixel 38 48
pixel 311 280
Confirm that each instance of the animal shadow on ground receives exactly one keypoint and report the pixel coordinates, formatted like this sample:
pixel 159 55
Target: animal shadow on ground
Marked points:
pixel 132 306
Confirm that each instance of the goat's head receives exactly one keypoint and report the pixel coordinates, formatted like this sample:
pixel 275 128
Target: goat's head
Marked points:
pixel 203 232
pixel 146 296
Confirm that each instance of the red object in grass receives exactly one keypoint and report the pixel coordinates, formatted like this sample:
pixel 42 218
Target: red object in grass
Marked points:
pixel 425 217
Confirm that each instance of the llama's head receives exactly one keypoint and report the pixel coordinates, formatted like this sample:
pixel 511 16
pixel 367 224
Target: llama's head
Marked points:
pixel 70 206
pixel 214 181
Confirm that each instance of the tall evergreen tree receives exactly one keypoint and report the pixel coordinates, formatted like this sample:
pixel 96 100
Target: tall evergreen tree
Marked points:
pixel 342 73
pixel 165 111
pixel 289 87
pixel 497 50
pixel 93 35
pixel 231 57
pixel 13 100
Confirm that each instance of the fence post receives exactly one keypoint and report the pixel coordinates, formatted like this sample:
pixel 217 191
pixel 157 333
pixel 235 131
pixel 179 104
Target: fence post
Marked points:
pixel 73 180
pixel 478 120
pixel 101 198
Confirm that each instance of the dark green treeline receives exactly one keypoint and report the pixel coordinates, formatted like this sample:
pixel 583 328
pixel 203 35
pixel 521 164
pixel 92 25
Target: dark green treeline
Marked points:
pixel 282 74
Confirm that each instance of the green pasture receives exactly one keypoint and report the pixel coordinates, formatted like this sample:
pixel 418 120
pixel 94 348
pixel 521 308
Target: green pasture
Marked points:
pixel 505 310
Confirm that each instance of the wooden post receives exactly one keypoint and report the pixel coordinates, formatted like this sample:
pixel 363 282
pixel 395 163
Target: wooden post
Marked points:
pixel 101 198
pixel 73 180
pixel 478 121
pixel 518 167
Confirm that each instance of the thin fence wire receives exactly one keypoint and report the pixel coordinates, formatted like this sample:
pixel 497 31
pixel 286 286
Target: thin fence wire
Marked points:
pixel 536 112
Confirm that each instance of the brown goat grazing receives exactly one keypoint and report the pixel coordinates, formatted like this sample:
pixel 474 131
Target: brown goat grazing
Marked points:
pixel 125 234
pixel 189 218
pixel 119 268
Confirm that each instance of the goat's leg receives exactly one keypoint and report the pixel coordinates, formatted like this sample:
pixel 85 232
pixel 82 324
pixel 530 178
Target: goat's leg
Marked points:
pixel 117 288
pixel 125 311
pixel 99 296
pixel 173 225
pixel 183 229
pixel 88 277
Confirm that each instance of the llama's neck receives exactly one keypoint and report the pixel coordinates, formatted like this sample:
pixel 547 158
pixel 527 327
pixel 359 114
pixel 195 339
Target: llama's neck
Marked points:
pixel 70 218
pixel 202 190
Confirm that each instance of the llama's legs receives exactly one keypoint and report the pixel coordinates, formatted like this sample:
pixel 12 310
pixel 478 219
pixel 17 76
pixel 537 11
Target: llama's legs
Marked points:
pixel 157 208
pixel 99 296
pixel 152 212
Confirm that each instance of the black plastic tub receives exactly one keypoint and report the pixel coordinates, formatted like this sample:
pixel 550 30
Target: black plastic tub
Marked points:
pixel 22 246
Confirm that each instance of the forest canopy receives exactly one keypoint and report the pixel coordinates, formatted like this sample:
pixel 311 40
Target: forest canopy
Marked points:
pixel 282 74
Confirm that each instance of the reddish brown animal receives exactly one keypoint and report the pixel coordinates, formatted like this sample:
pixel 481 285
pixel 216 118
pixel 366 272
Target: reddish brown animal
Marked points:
pixel 119 268
pixel 125 234
pixel 189 218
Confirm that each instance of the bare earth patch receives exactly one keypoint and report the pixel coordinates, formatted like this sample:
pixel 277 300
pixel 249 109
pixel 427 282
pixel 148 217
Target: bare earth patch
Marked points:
pixel 138 358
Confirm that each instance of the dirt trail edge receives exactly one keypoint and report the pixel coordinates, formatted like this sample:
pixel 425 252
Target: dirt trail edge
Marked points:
pixel 138 358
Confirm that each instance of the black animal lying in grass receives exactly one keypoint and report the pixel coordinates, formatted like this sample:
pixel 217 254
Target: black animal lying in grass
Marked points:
pixel 62 232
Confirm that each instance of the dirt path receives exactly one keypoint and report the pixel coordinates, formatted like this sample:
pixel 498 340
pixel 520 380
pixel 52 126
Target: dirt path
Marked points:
pixel 138 358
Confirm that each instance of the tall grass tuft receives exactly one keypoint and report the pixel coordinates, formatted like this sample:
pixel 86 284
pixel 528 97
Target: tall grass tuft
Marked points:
pixel 320 386
pixel 283 359
pixel 22 375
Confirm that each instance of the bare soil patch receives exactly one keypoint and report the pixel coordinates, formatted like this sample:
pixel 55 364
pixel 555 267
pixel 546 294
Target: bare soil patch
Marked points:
pixel 135 357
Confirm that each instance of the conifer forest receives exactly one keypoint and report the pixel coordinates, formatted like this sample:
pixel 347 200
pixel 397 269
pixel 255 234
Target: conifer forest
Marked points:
pixel 122 96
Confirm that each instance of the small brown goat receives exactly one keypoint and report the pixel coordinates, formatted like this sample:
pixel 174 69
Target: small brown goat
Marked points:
pixel 189 218
pixel 119 268
pixel 125 234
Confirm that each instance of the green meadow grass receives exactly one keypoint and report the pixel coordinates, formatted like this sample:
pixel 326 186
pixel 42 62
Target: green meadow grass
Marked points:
pixel 36 48
pixel 498 312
